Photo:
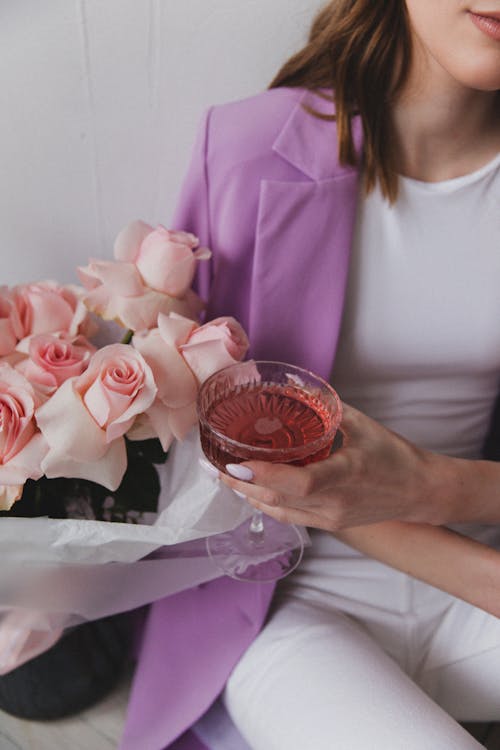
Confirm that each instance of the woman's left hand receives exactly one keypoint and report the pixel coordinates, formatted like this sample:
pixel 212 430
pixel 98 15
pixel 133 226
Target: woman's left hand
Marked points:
pixel 375 476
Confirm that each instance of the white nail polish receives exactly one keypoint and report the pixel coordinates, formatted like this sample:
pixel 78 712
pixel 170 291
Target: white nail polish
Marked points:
pixel 240 494
pixel 209 468
pixel 240 472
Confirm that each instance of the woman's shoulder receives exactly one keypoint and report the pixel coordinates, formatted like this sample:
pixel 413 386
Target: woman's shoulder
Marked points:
pixel 265 108
pixel 249 127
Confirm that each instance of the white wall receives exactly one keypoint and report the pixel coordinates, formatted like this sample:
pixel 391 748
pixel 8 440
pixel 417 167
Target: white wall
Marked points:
pixel 99 101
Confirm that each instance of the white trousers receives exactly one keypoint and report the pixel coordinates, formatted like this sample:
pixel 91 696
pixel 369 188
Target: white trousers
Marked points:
pixel 357 656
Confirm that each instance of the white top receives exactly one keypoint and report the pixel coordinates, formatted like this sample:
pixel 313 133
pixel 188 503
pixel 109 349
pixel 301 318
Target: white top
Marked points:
pixel 419 347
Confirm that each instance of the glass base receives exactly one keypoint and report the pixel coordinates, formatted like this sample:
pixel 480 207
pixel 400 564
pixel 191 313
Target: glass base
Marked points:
pixel 263 556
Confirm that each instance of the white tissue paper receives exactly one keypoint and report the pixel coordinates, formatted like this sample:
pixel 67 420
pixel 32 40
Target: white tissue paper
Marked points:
pixel 57 573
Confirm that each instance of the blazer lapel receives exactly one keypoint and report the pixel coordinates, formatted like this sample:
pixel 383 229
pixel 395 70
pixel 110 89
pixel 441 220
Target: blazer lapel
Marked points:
pixel 302 247
pixel 297 289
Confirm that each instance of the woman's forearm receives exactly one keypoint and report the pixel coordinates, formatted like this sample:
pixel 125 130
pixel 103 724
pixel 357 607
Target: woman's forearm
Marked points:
pixel 447 560
pixel 473 491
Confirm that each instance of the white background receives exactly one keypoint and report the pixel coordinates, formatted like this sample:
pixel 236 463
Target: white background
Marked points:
pixel 99 102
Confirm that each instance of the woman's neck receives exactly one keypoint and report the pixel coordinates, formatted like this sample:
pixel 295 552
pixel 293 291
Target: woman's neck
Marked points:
pixel 443 129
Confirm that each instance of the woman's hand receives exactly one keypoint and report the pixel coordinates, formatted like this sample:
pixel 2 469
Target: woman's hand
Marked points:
pixel 375 476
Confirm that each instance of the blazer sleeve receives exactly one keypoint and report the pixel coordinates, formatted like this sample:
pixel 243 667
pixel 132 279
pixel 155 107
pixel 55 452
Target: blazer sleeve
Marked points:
pixel 192 213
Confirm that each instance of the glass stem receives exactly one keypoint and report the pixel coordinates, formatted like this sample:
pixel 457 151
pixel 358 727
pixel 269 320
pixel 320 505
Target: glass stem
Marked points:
pixel 257 523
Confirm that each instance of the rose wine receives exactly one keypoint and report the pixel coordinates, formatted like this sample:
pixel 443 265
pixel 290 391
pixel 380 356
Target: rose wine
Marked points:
pixel 269 411
pixel 269 422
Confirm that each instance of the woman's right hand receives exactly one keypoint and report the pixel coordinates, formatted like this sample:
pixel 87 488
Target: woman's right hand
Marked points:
pixel 375 476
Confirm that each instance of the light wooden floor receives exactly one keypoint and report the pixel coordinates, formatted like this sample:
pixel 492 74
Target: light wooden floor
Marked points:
pixel 100 728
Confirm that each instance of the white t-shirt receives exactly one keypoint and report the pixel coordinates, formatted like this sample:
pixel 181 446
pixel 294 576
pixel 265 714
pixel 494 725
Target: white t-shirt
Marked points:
pixel 419 349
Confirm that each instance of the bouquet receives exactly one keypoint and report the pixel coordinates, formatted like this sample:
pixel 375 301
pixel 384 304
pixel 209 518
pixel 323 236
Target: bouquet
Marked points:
pixel 83 427
pixel 88 411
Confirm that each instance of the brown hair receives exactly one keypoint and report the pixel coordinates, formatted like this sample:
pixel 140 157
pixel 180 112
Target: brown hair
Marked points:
pixel 361 50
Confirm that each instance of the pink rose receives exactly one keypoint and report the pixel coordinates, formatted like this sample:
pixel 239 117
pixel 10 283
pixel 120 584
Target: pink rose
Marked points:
pixel 173 412
pixel 103 402
pixel 10 323
pixel 166 260
pixel 181 355
pixel 217 344
pixel 47 307
pixel 22 447
pixel 53 359
pixel 152 274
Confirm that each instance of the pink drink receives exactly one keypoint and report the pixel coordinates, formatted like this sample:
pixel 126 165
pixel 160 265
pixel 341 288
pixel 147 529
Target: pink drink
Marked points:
pixel 268 422
pixel 268 411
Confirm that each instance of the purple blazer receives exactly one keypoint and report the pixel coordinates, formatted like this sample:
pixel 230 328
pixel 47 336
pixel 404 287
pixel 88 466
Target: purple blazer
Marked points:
pixel 266 193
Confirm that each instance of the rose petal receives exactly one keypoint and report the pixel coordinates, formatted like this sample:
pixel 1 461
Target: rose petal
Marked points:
pixel 159 414
pixel 8 338
pixel 13 359
pixel 87 276
pixel 17 406
pixel 45 382
pixel 165 265
pixel 82 322
pixel 107 470
pixel 175 381
pixel 202 253
pixel 171 423
pixel 48 311
pixel 182 420
pixel 27 464
pixel 9 313
pixel 206 357
pixel 175 329
pixel 129 240
pixel 96 401
pixel 178 235
pixel 121 279
pixel 135 313
pixel 237 342
pixel 79 437
pixel 140 313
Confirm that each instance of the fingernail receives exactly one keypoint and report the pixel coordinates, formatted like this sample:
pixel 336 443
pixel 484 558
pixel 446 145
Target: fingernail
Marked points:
pixel 209 468
pixel 240 472
pixel 240 494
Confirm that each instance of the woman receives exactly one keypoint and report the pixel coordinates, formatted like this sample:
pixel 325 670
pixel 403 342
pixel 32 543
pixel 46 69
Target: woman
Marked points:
pixel 356 654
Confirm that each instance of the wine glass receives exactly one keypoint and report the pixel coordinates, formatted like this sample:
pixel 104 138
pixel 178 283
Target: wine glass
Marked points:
pixel 265 411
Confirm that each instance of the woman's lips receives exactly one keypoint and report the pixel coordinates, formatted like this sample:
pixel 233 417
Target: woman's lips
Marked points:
pixel 488 24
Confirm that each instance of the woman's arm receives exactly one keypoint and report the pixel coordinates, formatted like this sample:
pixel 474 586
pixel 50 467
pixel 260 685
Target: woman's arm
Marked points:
pixel 451 562
pixel 388 499
pixel 376 476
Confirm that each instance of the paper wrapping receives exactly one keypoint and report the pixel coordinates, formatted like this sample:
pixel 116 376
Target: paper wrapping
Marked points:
pixel 57 573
